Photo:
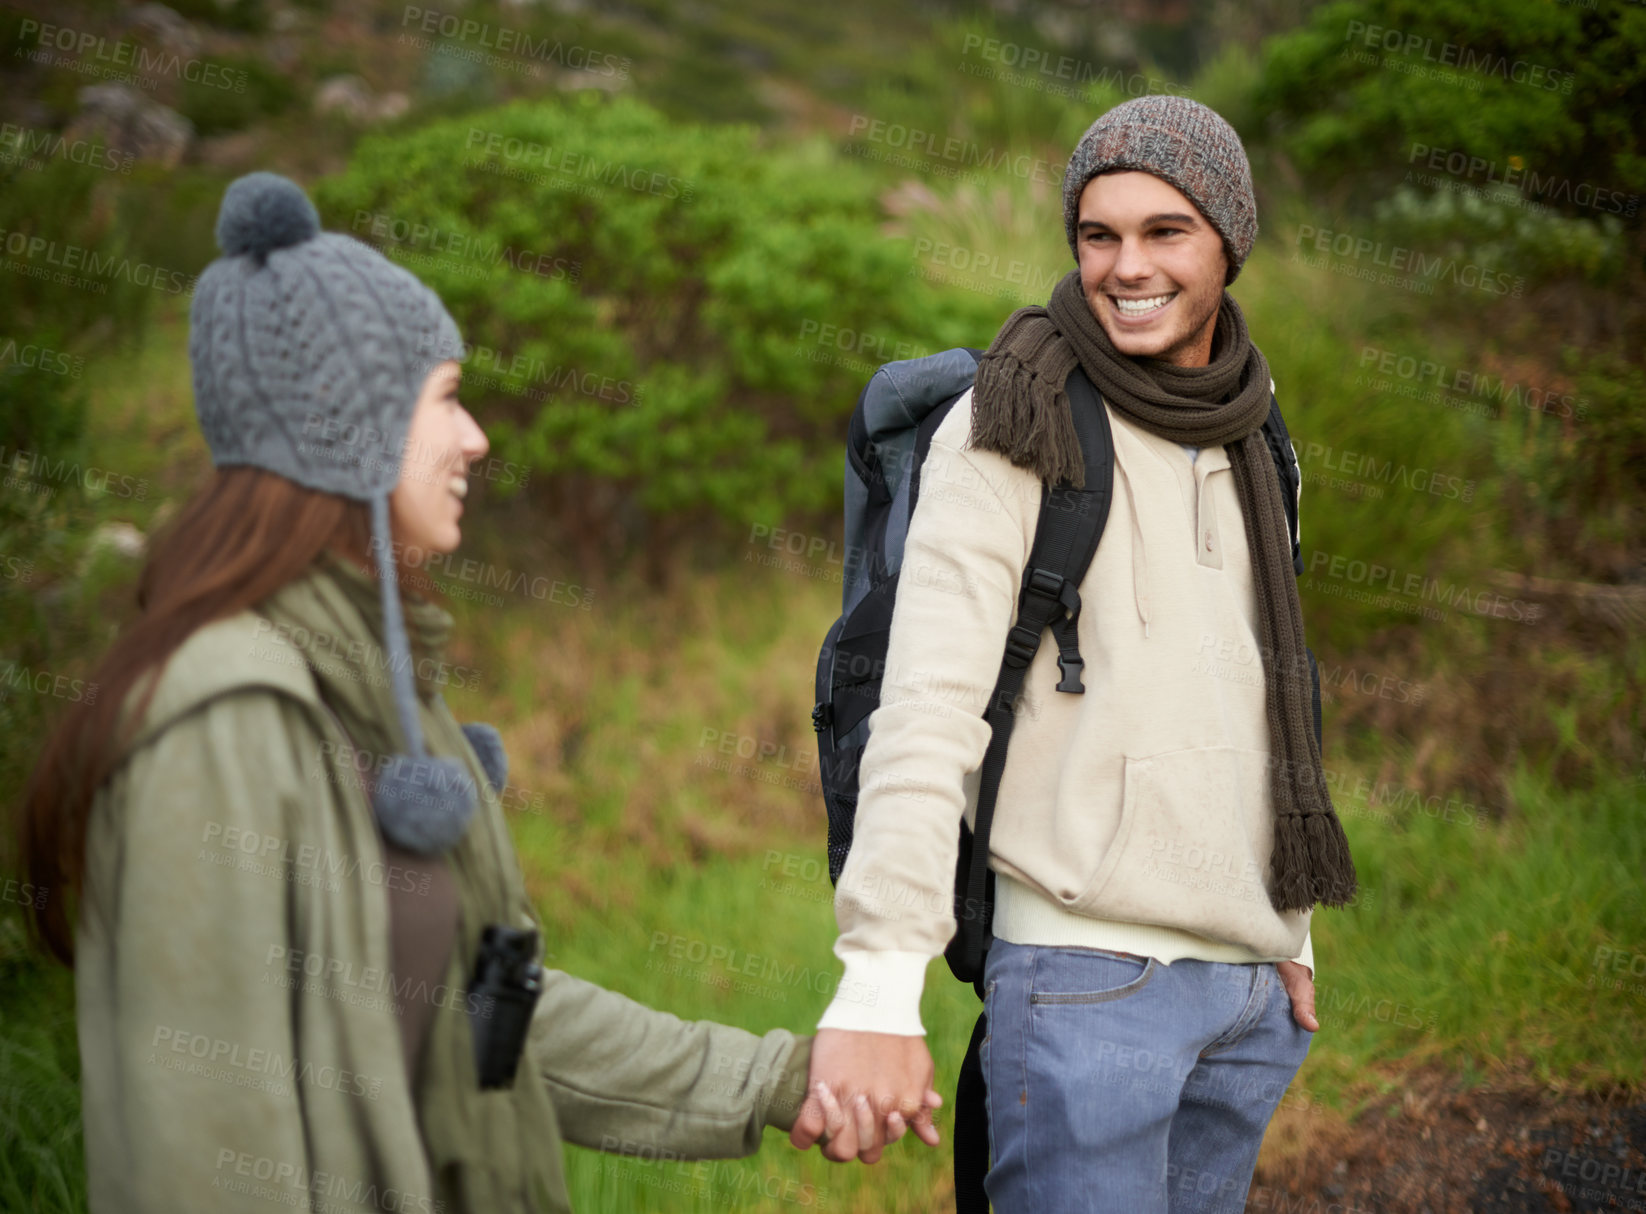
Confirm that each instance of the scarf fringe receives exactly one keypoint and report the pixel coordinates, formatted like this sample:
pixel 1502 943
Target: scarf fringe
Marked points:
pixel 1027 421
pixel 1311 862
pixel 1019 407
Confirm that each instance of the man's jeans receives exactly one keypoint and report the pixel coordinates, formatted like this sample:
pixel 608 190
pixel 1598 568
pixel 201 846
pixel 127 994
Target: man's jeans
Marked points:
pixel 1117 1083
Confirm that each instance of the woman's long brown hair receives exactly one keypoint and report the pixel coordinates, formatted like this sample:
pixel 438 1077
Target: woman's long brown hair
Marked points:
pixel 247 534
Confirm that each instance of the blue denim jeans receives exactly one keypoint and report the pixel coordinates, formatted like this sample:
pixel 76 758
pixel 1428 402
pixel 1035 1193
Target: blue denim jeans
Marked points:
pixel 1118 1083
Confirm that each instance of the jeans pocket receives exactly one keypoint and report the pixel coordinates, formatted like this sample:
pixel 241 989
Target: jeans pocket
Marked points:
pixel 1082 975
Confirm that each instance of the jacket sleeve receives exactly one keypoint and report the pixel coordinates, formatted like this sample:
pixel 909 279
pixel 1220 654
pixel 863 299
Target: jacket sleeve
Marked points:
pixel 628 1079
pixel 184 1049
pixel 963 559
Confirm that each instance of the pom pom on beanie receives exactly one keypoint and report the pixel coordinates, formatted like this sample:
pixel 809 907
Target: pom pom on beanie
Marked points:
pixel 262 212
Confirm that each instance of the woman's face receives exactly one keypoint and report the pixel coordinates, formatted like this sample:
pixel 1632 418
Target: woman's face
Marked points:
pixel 443 441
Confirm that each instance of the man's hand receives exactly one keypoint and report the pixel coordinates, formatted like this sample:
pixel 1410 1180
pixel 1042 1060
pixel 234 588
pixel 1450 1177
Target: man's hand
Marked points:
pixel 1299 981
pixel 867 1089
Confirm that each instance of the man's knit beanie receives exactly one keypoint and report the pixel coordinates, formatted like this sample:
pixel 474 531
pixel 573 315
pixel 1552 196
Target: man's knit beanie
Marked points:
pixel 309 351
pixel 1182 142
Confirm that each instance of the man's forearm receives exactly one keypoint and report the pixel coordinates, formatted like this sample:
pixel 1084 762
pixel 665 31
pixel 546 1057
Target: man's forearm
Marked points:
pixel 894 903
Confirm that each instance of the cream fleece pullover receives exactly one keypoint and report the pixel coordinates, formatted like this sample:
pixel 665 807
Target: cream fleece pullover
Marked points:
pixel 1135 817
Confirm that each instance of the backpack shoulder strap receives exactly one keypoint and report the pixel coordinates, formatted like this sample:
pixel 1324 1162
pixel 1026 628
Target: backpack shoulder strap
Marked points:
pixel 1073 520
pixel 1291 489
pixel 1066 537
pixel 1291 476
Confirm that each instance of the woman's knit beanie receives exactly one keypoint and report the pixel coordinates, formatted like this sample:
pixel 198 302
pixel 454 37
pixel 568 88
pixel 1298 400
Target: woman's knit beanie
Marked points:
pixel 309 351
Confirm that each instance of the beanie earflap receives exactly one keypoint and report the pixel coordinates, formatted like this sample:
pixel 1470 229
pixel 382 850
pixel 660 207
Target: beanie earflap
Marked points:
pixel 422 803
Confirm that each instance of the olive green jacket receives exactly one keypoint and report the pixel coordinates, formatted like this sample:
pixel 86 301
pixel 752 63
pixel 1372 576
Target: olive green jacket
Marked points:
pixel 239 1046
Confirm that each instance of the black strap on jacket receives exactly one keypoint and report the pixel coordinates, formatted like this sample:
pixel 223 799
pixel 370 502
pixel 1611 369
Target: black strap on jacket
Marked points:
pixel 1066 538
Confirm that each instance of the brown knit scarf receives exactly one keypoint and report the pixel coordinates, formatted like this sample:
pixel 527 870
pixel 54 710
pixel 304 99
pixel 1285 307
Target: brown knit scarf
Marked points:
pixel 1021 411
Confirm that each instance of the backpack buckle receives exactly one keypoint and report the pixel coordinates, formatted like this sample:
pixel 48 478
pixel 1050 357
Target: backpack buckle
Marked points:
pixel 822 715
pixel 1070 666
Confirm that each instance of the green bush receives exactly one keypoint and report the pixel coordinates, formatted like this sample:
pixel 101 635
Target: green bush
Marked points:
pixel 644 301
pixel 1557 86
pixel 1527 87
pixel 1503 232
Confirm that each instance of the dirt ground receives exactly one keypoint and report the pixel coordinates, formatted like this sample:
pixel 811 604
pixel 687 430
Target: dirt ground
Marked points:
pixel 1433 1149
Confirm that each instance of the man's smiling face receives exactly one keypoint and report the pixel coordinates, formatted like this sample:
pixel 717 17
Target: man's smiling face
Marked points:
pixel 1151 267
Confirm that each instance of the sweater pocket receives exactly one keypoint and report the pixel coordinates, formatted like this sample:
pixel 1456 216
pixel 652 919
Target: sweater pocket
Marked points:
pixel 1192 849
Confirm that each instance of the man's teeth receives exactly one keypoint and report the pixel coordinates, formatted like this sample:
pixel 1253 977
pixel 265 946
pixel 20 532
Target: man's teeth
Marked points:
pixel 1137 307
pixel 459 485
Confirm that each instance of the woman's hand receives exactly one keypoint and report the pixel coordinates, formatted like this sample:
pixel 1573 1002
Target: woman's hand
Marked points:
pixel 867 1089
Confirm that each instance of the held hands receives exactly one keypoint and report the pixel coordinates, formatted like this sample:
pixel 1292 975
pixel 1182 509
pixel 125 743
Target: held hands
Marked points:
pixel 869 1089
pixel 866 1090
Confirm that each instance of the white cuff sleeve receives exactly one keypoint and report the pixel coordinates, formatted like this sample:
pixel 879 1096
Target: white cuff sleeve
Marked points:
pixel 878 993
pixel 1307 956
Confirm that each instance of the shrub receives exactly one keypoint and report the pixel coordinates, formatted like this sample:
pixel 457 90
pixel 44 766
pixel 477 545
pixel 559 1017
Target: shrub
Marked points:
pixel 675 318
pixel 1546 96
